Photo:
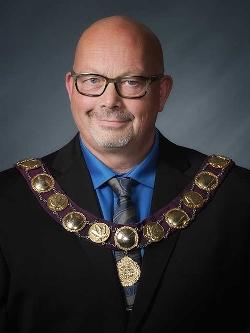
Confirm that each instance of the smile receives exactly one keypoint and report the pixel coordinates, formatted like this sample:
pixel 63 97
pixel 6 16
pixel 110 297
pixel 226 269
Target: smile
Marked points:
pixel 113 123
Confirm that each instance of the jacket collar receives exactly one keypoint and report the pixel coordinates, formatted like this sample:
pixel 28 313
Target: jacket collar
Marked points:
pixel 70 156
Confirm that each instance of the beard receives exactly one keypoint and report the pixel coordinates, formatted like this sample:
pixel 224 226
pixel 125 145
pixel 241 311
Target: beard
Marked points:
pixel 107 136
pixel 109 139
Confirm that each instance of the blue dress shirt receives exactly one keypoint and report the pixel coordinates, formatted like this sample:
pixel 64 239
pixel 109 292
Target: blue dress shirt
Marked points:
pixel 143 173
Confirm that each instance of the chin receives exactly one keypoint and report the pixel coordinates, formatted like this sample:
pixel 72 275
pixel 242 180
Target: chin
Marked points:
pixel 118 143
pixel 109 140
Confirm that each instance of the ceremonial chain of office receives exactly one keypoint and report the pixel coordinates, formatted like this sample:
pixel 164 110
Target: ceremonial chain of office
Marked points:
pixel 175 215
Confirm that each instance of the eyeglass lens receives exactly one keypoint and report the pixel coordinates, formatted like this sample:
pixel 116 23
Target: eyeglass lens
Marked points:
pixel 94 85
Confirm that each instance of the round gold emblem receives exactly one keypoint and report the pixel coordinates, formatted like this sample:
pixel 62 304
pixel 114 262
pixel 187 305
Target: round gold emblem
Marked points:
pixel 74 221
pixel 57 202
pixel 192 199
pixel 42 182
pixel 206 181
pixel 218 161
pixel 126 238
pixel 29 164
pixel 99 232
pixel 129 271
pixel 154 232
pixel 177 218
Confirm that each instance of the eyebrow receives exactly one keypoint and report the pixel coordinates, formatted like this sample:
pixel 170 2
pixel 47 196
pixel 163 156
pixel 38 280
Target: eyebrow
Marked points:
pixel 133 72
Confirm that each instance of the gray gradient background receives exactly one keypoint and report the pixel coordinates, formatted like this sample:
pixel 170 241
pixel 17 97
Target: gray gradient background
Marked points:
pixel 207 51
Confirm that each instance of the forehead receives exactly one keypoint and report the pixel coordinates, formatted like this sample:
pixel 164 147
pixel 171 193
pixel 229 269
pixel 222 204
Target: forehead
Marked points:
pixel 113 54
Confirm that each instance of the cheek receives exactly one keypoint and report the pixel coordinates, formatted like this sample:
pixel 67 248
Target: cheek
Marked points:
pixel 79 109
pixel 145 113
pixel 80 105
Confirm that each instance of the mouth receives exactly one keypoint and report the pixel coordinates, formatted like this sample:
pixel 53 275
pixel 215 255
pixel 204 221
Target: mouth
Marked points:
pixel 110 119
pixel 112 123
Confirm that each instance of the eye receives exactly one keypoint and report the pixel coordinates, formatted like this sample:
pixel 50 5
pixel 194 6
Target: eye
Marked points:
pixel 91 80
pixel 90 83
pixel 94 80
pixel 130 82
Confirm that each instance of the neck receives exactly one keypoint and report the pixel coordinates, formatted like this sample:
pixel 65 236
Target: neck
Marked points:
pixel 122 159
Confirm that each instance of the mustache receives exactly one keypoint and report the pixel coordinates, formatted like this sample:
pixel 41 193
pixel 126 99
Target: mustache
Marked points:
pixel 114 114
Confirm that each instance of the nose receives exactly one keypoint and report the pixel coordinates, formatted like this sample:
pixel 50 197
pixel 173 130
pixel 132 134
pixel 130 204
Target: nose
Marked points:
pixel 110 97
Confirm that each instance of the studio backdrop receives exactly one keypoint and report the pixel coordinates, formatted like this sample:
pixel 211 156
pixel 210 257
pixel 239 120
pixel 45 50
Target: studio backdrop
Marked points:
pixel 207 52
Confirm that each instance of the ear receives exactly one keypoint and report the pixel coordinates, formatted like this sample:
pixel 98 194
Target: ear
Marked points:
pixel 69 83
pixel 165 89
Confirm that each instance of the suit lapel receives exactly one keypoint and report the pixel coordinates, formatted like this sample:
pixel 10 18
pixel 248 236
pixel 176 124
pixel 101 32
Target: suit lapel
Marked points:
pixel 170 181
pixel 73 176
pixel 69 169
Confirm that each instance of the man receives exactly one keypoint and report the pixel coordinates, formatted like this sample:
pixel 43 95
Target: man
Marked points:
pixel 179 261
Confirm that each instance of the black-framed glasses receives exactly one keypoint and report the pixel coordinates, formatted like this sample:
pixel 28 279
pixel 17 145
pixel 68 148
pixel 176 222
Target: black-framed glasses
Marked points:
pixel 94 85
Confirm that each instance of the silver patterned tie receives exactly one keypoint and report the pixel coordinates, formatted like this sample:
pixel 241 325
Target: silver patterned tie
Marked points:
pixel 125 213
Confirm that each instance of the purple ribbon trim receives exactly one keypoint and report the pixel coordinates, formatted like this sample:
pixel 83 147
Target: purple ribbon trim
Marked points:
pixel 158 216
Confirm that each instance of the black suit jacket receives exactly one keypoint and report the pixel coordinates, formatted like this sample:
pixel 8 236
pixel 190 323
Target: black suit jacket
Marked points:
pixel 195 281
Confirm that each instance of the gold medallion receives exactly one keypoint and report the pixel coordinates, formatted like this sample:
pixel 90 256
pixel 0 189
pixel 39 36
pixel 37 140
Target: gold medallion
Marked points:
pixel 29 164
pixel 57 202
pixel 218 161
pixel 99 232
pixel 74 221
pixel 206 181
pixel 129 271
pixel 42 182
pixel 177 218
pixel 126 238
pixel 154 232
pixel 192 199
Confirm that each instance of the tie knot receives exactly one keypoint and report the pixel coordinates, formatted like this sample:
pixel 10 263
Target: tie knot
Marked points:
pixel 121 186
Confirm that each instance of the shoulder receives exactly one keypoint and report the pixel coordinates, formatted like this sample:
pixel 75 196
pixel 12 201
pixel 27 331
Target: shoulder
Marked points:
pixel 238 179
pixel 11 179
pixel 178 156
pixel 8 178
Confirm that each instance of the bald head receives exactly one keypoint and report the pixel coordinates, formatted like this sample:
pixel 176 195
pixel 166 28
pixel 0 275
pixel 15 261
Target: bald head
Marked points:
pixel 120 38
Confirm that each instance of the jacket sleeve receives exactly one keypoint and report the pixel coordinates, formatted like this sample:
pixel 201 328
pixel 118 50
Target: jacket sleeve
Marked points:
pixel 4 278
pixel 248 304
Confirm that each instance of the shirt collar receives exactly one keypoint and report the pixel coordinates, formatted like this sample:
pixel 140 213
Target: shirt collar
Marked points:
pixel 143 173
